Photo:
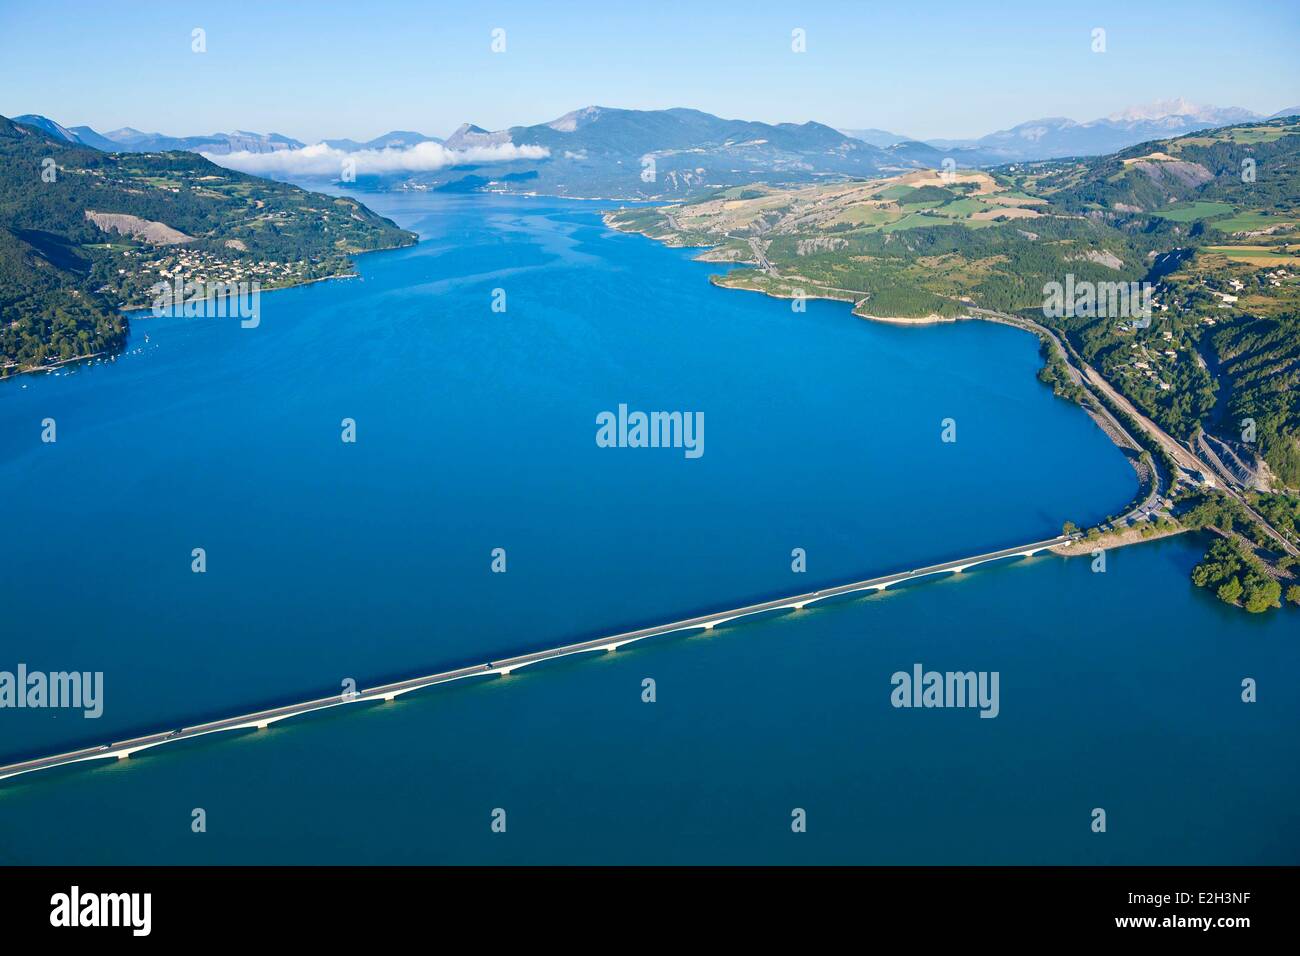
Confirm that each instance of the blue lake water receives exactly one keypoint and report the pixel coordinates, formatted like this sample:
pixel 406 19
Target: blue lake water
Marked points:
pixel 476 430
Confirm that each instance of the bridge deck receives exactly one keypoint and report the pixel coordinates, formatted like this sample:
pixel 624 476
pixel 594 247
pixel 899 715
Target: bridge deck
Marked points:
pixel 262 718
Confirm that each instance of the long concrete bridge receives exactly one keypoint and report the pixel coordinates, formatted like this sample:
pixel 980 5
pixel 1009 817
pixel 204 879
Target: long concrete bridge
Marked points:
pixel 261 719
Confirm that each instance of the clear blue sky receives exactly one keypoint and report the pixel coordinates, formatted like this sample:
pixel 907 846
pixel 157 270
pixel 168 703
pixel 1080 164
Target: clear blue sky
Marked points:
pixel 927 68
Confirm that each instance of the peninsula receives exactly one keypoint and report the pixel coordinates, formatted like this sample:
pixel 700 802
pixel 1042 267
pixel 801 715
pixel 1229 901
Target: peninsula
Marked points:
pixel 85 234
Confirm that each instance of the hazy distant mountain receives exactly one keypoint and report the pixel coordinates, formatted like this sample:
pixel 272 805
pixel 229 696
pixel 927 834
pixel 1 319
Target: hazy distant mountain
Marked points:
pixel 1289 111
pixel 88 137
pixel 129 140
pixel 133 141
pixel 626 154
pixel 877 137
pixel 397 139
pixel 916 153
pixel 1054 137
pixel 127 134
pixel 468 135
pixel 1058 136
pixel 1179 112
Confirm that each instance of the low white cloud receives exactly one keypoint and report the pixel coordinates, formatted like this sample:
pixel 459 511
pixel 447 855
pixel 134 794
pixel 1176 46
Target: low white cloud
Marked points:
pixel 323 160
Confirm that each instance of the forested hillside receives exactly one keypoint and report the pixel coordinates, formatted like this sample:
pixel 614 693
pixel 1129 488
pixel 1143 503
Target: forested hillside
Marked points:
pixel 83 233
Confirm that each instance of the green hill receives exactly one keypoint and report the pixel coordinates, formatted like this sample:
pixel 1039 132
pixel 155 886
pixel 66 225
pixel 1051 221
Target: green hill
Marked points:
pixel 1250 166
pixel 83 233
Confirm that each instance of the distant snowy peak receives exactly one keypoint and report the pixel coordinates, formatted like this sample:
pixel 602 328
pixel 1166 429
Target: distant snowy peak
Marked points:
pixel 1057 136
pixel 1180 108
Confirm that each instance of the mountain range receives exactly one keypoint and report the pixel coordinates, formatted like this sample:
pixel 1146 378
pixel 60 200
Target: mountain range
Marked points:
pixel 877 137
pixel 600 151
pixel 1057 136
pixel 129 140
pixel 649 154
pixel 396 139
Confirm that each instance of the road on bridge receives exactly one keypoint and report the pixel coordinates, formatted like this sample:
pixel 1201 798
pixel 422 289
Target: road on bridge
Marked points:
pixel 263 718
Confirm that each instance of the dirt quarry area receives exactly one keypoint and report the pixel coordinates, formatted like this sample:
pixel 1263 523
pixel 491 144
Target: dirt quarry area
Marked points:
pixel 159 233
pixel 984 183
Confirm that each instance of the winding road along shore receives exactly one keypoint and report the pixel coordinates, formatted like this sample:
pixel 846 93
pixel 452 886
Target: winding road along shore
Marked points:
pixel 1081 374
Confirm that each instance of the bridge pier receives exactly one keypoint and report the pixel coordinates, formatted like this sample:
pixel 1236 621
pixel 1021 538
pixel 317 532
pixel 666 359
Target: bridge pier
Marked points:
pixel 124 754
pixel 261 724
pixel 722 620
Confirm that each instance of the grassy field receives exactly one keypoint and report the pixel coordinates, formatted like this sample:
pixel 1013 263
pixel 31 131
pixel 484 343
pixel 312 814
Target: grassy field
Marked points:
pixel 1192 211
pixel 1260 255
pixel 1245 136
pixel 959 208
pixel 898 191
pixel 915 220
pixel 863 215
pixel 1252 221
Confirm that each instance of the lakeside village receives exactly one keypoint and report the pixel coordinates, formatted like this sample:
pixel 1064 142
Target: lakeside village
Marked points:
pixel 187 273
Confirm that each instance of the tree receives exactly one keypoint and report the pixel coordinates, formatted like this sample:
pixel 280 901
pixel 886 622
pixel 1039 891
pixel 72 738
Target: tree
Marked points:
pixel 1262 595
pixel 1293 594
pixel 1230 590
